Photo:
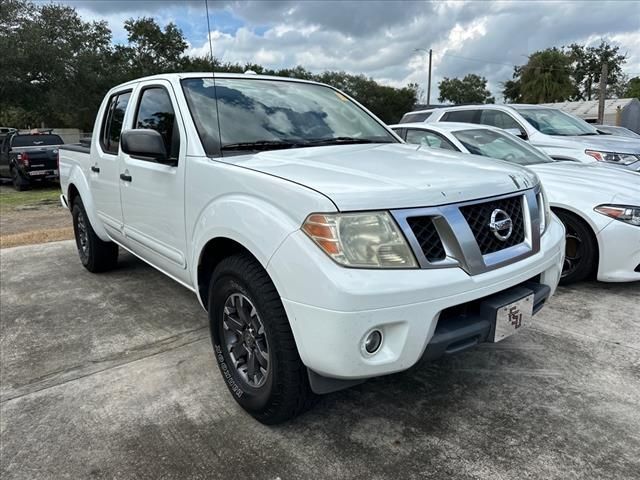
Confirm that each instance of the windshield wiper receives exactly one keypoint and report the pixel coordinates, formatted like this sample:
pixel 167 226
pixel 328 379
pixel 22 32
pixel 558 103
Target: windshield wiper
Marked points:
pixel 343 141
pixel 261 145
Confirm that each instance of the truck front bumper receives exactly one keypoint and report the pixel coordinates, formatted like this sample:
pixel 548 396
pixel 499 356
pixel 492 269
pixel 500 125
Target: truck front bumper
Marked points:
pixel 332 309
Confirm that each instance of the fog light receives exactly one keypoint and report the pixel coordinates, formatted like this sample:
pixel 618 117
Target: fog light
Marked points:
pixel 372 342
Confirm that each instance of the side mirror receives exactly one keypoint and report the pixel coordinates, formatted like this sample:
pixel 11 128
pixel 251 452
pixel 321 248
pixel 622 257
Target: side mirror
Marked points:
pixel 145 144
pixel 516 132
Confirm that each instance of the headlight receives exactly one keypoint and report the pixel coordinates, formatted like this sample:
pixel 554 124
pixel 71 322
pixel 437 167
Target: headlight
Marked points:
pixel 365 240
pixel 612 157
pixel 624 213
pixel 544 210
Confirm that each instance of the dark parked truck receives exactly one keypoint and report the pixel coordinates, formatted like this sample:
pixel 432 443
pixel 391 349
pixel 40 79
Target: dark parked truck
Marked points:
pixel 30 157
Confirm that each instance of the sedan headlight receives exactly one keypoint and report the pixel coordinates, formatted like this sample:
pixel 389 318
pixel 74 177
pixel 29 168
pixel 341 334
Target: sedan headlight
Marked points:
pixel 612 157
pixel 624 213
pixel 544 210
pixel 365 240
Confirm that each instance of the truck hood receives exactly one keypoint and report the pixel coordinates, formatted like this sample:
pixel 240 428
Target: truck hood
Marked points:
pixel 598 182
pixel 607 143
pixel 387 176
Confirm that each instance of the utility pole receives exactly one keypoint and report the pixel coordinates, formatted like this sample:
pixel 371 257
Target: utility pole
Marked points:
pixel 603 92
pixel 429 83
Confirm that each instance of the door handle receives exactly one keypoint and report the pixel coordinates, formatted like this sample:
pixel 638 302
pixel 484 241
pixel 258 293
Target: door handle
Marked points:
pixel 95 168
pixel 125 177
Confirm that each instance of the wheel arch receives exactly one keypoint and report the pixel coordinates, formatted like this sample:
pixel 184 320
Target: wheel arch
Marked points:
pixel 77 186
pixel 212 253
pixel 590 226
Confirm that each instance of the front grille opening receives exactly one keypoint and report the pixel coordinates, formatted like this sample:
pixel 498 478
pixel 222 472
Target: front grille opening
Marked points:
pixel 478 217
pixel 428 238
pixel 637 269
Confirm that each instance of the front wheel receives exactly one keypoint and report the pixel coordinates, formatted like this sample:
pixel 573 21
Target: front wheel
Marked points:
pixel 580 251
pixel 253 342
pixel 96 255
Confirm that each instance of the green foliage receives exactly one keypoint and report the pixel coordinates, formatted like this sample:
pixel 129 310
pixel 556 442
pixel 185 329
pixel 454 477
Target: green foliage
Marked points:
pixel 633 88
pixel 545 78
pixel 587 67
pixel 572 73
pixel 471 89
pixel 56 68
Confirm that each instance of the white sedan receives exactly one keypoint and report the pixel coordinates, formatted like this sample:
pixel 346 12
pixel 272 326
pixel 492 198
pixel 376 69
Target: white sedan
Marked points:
pixel 599 206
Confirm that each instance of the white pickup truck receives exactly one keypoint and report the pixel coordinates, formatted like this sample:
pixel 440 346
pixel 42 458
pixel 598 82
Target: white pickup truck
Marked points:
pixel 324 249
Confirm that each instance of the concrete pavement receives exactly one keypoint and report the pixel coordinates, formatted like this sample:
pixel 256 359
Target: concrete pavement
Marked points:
pixel 112 376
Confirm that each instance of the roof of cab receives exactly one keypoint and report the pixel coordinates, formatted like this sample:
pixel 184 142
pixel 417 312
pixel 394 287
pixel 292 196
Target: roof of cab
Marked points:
pixel 177 76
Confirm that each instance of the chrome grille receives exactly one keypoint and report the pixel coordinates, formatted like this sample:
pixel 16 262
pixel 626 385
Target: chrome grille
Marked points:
pixel 478 216
pixel 428 238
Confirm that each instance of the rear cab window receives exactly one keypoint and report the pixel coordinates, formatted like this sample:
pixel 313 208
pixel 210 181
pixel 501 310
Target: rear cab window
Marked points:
pixel 36 140
pixel 113 122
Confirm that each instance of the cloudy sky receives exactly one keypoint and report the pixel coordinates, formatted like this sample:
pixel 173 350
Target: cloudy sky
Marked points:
pixel 380 38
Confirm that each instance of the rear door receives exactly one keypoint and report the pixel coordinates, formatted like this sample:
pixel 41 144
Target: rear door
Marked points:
pixel 104 169
pixel 153 193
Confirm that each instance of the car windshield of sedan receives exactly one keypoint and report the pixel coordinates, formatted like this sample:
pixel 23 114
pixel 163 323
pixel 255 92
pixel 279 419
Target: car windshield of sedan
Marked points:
pixel 554 122
pixel 503 146
pixel 264 114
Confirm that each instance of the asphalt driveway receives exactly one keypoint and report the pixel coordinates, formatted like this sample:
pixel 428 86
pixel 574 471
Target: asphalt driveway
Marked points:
pixel 112 376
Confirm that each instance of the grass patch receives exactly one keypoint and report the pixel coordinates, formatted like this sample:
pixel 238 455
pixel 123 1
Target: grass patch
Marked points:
pixel 13 200
pixel 36 236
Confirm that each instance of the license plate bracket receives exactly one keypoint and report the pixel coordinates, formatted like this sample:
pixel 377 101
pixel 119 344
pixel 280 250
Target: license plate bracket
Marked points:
pixel 511 317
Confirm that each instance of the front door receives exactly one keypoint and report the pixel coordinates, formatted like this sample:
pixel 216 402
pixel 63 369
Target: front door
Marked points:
pixel 153 193
pixel 104 169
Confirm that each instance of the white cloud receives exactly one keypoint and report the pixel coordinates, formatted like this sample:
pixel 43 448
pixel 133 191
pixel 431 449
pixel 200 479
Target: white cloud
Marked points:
pixel 379 38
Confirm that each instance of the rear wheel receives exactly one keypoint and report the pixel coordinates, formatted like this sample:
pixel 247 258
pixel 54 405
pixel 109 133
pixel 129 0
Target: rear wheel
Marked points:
pixel 19 182
pixel 253 342
pixel 581 249
pixel 95 254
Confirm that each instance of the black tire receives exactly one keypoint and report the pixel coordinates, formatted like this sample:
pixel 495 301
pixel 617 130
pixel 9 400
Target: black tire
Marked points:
pixel 581 251
pixel 95 254
pixel 19 182
pixel 285 391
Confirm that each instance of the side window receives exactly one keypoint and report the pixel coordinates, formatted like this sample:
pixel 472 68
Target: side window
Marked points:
pixel 415 117
pixel 155 112
pixel 464 116
pixel 112 124
pixel 429 139
pixel 496 118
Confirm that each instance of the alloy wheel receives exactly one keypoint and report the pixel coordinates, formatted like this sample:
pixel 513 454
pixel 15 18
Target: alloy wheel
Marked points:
pixel 246 340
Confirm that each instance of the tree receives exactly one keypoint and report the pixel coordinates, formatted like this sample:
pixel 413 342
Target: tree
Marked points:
pixel 587 67
pixel 471 89
pixel 546 77
pixel 56 68
pixel 633 88
pixel 512 89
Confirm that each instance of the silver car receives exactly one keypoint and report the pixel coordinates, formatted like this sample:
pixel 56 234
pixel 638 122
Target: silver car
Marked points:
pixel 558 134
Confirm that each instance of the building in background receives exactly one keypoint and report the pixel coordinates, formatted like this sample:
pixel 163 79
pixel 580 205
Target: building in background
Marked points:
pixel 624 112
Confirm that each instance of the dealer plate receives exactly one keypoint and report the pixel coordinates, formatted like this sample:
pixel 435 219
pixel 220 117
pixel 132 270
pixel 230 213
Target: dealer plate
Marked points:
pixel 513 317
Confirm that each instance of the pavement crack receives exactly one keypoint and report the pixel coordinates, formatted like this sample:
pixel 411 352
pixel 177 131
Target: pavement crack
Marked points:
pixel 93 367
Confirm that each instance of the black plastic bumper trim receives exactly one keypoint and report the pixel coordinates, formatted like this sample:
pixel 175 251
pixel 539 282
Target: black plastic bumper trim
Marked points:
pixel 459 333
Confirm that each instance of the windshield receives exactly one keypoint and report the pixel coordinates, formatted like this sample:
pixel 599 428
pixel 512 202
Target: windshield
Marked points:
pixel 554 122
pixel 35 140
pixel 503 146
pixel 270 114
